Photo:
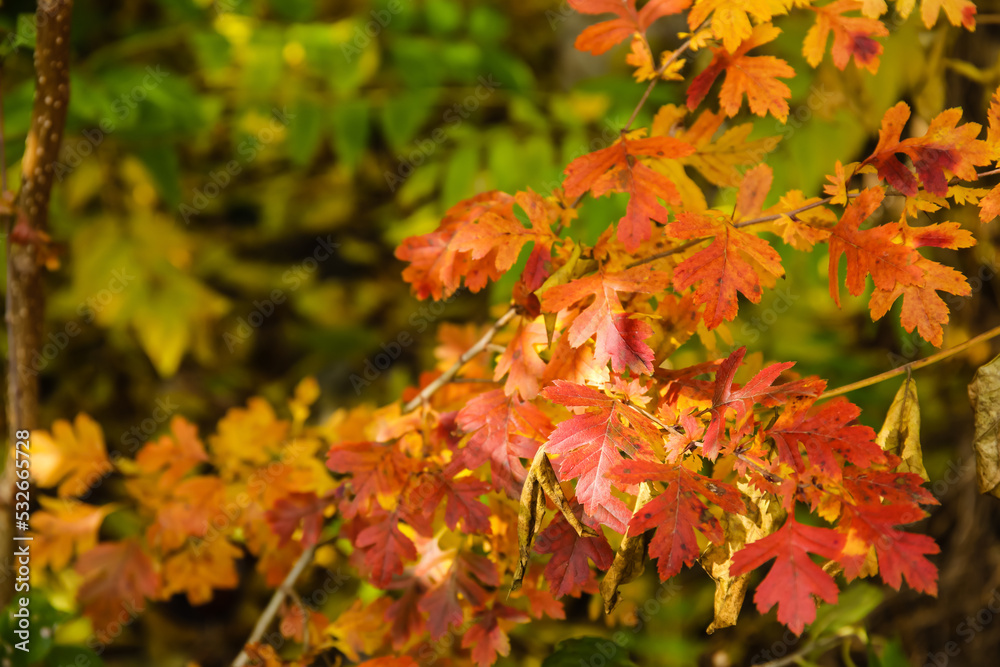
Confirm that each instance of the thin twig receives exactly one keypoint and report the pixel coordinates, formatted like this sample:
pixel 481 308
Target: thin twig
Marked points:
pixel 272 607
pixel 656 78
pixel 912 366
pixel 446 377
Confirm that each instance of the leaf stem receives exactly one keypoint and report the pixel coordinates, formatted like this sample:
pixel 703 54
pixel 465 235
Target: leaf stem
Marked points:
pixel 912 366
pixel 272 607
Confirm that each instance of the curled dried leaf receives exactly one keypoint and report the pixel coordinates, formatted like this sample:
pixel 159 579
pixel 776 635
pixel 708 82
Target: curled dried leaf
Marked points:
pixel 628 562
pixel 984 394
pixel 900 434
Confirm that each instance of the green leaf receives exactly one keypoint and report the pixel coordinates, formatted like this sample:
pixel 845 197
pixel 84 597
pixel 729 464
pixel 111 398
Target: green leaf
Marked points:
pixel 583 650
pixel 349 125
pixel 304 132
pixel 460 174
pixel 164 167
pixel 403 115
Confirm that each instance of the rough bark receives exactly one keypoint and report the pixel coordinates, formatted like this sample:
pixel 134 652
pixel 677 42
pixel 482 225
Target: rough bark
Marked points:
pixel 25 246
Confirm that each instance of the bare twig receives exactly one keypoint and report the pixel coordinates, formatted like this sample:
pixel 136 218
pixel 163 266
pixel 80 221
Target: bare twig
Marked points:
pixel 912 366
pixel 272 607
pixel 446 377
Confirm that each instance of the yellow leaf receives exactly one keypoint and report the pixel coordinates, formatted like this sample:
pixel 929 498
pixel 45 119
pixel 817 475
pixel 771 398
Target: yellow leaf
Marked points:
pixel 63 529
pixel 984 394
pixel 900 434
pixel 71 456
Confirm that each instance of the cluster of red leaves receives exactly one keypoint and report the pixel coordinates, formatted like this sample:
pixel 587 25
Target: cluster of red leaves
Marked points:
pixel 428 500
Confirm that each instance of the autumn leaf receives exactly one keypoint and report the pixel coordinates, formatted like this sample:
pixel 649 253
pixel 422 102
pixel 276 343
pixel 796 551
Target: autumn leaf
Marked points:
pixel 568 571
pixel 116 576
pixel 72 457
pixel 945 148
pixel 726 397
pixel 464 582
pixel 65 528
pixel 591 444
pixel 386 548
pixel 502 236
pixel 295 510
pixel 617 339
pixel 922 308
pixel 823 431
pixel 753 76
pixel 731 18
pixel 599 38
pixel 200 568
pixel 619 168
pixel 959 12
pixel 794 578
pixel 488 635
pixel 520 361
pixel 172 456
pixel 504 430
pixel 436 266
pixel 869 252
pixel 852 36
pixel 900 554
pixel 732 263
pixel 719 159
pixel 361 630
pixel 677 511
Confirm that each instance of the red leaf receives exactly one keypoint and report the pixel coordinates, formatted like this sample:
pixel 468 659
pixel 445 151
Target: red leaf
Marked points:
pixel 739 399
pixel 617 340
pixel 822 432
pixel 944 148
pixel 520 361
pixel 677 512
pixel 504 430
pixel 589 445
pixel 600 37
pixel 753 76
pixel 488 637
pixel 462 502
pixel 568 571
pixel 437 266
pixel 619 169
pixel 386 548
pixel 794 578
pixel 852 36
pixel 731 264
pixel 869 251
pixel 116 576
pixel 900 554
pixel 304 509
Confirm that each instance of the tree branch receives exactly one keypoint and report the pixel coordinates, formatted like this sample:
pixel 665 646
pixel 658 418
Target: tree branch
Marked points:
pixel 446 377
pixel 26 239
pixel 272 607
pixel 912 366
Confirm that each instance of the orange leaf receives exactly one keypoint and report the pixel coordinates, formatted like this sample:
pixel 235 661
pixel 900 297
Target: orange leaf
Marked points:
pixel 71 456
pixel 944 148
pixel 852 36
pixel 618 169
pixel 64 528
pixel 753 76
pixel 722 269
